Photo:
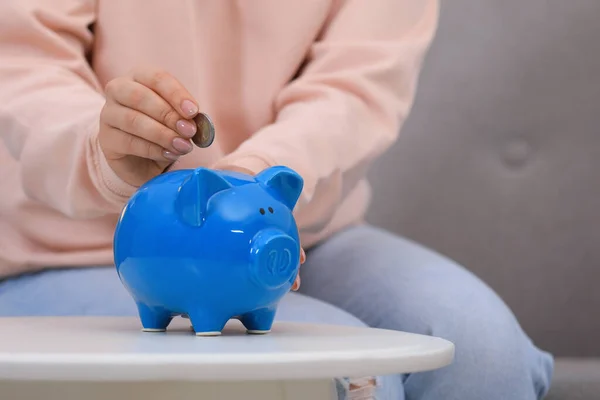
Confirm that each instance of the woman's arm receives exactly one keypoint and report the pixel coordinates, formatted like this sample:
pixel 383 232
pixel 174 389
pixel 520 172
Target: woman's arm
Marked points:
pixel 50 103
pixel 348 104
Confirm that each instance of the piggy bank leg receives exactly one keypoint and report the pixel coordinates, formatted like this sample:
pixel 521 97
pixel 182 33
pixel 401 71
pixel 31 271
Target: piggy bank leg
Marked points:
pixel 259 321
pixel 205 324
pixel 154 319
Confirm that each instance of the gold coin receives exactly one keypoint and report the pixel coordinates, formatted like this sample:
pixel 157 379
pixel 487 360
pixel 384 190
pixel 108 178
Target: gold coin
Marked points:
pixel 205 133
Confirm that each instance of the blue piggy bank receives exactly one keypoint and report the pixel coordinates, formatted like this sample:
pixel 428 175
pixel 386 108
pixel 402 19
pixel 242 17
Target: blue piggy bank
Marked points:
pixel 210 246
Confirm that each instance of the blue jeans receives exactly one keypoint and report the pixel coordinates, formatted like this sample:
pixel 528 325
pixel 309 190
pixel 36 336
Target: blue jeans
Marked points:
pixel 360 276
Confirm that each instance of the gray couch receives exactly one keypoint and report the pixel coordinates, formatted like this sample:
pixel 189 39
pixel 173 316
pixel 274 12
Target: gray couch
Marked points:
pixel 498 167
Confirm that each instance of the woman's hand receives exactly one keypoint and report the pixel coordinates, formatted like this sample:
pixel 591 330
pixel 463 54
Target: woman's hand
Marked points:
pixel 146 124
pixel 296 284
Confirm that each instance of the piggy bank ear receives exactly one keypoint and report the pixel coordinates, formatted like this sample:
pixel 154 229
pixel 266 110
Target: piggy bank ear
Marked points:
pixel 195 192
pixel 284 182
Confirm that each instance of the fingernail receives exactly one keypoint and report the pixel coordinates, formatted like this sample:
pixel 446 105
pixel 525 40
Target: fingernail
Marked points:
pixel 186 128
pixel 189 108
pixel 170 156
pixel 182 145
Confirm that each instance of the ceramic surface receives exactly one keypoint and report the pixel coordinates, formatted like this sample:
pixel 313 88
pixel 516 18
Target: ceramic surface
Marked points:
pixel 210 245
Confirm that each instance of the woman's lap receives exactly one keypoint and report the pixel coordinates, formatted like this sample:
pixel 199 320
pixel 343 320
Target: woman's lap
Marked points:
pixel 98 291
pixel 378 279
pixel 390 282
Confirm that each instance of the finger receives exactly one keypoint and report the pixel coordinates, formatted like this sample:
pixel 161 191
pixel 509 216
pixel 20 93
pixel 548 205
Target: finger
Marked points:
pixel 141 125
pixel 124 143
pixel 138 97
pixel 296 284
pixel 169 88
pixel 302 256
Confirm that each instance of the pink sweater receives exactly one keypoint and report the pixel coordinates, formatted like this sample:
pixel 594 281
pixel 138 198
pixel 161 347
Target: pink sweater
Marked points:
pixel 59 200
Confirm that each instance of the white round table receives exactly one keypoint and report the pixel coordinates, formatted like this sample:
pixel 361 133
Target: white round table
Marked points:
pixel 106 357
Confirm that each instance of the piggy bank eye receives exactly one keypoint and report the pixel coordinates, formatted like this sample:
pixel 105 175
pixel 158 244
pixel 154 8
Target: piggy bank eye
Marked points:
pixel 262 211
pixel 271 210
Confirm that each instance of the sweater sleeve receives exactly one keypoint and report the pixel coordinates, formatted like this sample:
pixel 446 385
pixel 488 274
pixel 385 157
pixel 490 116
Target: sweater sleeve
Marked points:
pixel 50 103
pixel 348 104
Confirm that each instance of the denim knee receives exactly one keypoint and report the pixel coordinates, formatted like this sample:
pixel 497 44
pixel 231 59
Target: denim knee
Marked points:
pixel 494 359
pixel 387 387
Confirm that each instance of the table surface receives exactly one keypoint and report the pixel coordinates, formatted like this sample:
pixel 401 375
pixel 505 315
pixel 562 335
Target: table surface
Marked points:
pixel 115 349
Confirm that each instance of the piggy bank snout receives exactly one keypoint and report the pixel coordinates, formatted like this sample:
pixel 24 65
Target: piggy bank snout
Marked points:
pixel 275 257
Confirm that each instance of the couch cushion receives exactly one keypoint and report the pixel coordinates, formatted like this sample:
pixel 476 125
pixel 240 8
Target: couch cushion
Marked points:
pixel 576 379
pixel 498 165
